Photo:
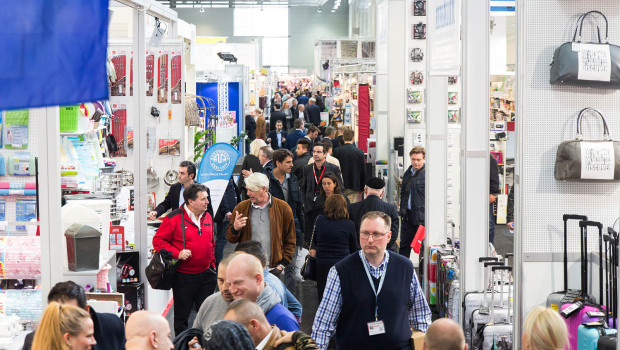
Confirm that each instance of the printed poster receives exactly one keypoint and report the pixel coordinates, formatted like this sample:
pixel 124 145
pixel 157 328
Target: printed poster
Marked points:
pixel 169 147
pixel 16 129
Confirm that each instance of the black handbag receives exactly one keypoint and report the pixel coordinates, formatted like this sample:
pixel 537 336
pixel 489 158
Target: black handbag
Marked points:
pixel 308 270
pixel 581 159
pixel 594 65
pixel 162 268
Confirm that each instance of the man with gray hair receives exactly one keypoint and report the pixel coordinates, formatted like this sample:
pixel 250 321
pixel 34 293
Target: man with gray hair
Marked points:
pixel 444 334
pixel 265 219
pixel 314 112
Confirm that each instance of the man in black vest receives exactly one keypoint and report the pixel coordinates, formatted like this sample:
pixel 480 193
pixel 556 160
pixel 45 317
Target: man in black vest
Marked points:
pixel 374 191
pixel 364 301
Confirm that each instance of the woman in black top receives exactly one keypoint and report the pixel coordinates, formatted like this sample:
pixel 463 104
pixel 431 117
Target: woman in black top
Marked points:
pixel 329 186
pixel 334 238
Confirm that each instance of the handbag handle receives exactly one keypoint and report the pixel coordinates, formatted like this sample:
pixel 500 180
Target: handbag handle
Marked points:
pixel 183 226
pixel 313 229
pixel 579 24
pixel 606 26
pixel 579 120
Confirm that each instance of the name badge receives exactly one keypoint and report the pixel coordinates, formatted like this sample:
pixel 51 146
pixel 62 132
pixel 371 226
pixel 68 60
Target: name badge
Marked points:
pixel 375 328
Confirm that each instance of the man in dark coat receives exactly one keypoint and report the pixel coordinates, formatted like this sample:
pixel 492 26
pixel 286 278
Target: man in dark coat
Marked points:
pixel 277 138
pixel 276 115
pixel 284 185
pixel 174 199
pixel 374 190
pixel 314 112
pixel 352 165
pixel 412 199
pixel 296 135
pixel 303 156
pixel 312 177
pixel 493 192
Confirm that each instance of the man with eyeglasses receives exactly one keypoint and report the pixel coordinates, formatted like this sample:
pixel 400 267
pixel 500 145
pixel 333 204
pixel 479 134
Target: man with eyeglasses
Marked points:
pixel 365 302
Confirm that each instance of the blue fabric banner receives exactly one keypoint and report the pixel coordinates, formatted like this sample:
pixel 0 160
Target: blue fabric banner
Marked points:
pixel 216 167
pixel 53 52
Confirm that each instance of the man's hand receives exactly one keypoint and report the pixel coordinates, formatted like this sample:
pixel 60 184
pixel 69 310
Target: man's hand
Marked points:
pixel 192 342
pixel 511 225
pixel 228 215
pixel 312 253
pixel 153 215
pixel 285 338
pixel 269 140
pixel 491 198
pixel 246 173
pixel 283 139
pixel 185 254
pixel 240 221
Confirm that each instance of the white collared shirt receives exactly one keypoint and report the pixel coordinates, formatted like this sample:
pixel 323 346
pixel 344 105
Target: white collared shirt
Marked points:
pixel 259 207
pixel 195 220
pixel 263 343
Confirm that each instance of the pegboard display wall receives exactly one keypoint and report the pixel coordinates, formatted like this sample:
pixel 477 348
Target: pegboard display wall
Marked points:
pixel 165 92
pixel 36 118
pixel 549 115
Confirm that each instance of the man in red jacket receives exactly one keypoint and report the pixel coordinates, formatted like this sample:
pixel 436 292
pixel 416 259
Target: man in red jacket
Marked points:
pixel 187 233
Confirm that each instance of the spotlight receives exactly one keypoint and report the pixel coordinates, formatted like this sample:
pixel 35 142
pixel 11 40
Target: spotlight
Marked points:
pixel 158 33
pixel 227 57
pixel 202 9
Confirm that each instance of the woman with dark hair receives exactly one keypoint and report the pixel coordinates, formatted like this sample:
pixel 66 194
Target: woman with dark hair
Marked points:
pixel 330 185
pixel 334 238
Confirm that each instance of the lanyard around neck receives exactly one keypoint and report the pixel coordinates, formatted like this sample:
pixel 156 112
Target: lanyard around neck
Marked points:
pixel 318 181
pixel 372 285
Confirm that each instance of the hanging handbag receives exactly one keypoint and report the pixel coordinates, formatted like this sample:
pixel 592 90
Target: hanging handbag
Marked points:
pixel 588 159
pixel 308 271
pixel 161 270
pixel 594 65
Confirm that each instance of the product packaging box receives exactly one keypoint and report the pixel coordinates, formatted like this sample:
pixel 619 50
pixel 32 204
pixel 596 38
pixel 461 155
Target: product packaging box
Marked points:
pixel 127 267
pixel 134 297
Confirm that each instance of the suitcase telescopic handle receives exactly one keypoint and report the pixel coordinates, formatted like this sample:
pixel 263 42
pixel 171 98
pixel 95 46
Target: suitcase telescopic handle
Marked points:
pixel 493 263
pixel 488 259
pixel 496 268
pixel 567 217
pixel 584 225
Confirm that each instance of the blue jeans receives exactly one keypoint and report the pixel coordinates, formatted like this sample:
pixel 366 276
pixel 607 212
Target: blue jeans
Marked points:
pixel 220 240
pixel 291 271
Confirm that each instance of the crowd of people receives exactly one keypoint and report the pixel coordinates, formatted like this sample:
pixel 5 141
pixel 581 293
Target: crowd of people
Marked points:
pixel 302 190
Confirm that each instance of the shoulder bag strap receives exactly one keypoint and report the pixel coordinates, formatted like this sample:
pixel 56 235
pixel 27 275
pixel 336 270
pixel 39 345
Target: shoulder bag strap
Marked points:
pixel 313 229
pixel 183 225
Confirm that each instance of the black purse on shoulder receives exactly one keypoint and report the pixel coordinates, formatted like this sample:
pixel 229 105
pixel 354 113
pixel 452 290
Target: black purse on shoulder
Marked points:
pixel 308 270
pixel 162 268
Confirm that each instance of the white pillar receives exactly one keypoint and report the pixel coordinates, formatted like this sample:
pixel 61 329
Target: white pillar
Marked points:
pixel 475 142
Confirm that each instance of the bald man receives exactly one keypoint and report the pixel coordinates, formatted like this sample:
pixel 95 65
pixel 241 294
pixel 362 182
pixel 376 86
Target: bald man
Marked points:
pixel 147 330
pixel 245 279
pixel 444 334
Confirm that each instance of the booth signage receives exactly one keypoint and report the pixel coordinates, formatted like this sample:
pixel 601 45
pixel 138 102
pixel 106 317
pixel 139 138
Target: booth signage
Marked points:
pixel 444 33
pixel 215 170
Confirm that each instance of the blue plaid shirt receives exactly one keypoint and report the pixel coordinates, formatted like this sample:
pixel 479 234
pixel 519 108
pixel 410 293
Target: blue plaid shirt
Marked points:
pixel 327 315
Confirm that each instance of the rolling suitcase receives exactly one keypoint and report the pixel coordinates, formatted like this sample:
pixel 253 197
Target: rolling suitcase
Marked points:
pixel 575 312
pixel 607 342
pixel 491 335
pixel 589 334
pixel 477 300
pixel 556 299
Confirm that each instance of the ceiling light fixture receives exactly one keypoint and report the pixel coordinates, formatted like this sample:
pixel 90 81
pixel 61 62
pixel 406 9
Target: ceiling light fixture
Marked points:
pixel 319 10
pixel 202 9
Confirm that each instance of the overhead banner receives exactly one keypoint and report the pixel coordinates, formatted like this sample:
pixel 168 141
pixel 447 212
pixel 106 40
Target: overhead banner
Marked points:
pixel 215 170
pixel 53 52
pixel 444 37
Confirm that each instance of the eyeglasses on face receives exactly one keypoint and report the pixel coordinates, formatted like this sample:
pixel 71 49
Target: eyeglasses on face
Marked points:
pixel 375 235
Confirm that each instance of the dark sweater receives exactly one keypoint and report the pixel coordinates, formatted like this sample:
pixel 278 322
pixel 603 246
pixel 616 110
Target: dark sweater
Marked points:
pixel 333 240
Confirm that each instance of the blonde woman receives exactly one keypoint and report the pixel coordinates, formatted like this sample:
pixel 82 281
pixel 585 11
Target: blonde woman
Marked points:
pixel 250 162
pixel 544 329
pixel 64 327
pixel 261 124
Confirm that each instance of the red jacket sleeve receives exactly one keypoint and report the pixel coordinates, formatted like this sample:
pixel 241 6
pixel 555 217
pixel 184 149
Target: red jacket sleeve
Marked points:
pixel 164 235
